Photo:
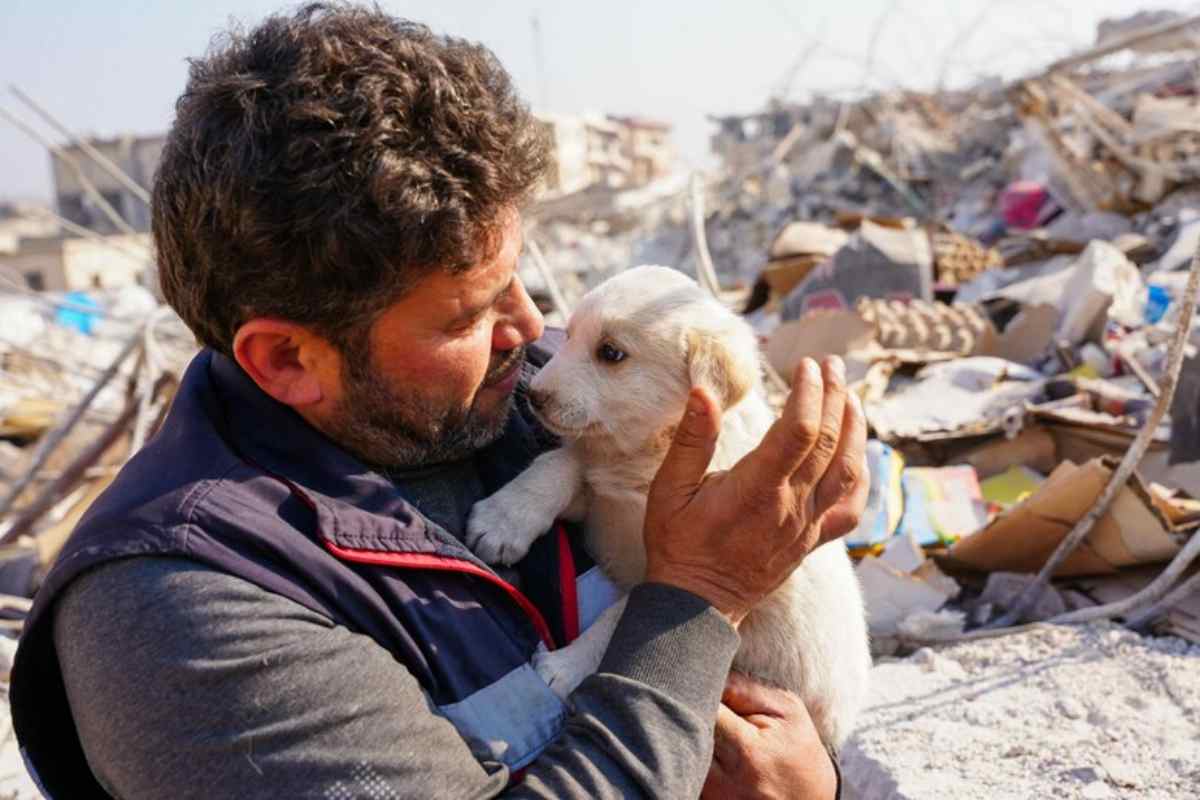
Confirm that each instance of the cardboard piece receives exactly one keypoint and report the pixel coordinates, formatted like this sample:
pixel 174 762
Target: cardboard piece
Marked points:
pixel 824 332
pixel 807 239
pixel 798 248
pixel 1080 443
pixel 1181 509
pixel 1133 532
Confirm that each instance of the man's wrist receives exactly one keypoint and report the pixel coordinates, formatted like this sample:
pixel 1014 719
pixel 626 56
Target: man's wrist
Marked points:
pixel 675 641
pixel 722 600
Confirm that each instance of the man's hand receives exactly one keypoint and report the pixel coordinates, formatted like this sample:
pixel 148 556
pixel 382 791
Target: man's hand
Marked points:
pixel 733 537
pixel 766 746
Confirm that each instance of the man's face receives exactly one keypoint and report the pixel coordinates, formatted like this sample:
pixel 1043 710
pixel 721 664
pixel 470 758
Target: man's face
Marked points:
pixel 434 381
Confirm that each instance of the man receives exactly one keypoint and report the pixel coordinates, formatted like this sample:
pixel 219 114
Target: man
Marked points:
pixel 273 599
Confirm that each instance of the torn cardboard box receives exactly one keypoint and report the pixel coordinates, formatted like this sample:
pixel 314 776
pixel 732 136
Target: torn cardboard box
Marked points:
pixel 1134 531
pixel 798 248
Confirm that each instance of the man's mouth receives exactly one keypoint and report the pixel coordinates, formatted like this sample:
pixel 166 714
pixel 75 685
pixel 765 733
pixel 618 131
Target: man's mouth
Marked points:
pixel 504 370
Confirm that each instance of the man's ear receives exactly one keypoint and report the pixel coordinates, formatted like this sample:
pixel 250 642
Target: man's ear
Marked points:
pixel 720 365
pixel 286 360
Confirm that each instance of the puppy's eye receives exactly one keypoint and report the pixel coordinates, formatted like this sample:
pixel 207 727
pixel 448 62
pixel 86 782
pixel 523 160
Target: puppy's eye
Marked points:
pixel 607 352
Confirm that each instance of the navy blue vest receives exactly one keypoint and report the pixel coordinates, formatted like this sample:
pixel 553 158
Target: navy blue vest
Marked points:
pixel 239 482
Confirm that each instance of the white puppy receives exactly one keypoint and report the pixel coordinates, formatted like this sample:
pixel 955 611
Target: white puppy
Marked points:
pixel 636 345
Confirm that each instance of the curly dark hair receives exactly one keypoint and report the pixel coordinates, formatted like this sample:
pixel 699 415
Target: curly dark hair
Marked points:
pixel 323 162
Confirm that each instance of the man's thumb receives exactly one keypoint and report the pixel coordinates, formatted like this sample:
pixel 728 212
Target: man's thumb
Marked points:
pixel 693 445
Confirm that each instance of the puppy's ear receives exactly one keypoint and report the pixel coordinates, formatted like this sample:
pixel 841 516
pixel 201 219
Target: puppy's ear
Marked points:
pixel 720 365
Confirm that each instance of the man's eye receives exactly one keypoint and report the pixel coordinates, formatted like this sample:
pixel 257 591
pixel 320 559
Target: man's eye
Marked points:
pixel 609 353
pixel 467 324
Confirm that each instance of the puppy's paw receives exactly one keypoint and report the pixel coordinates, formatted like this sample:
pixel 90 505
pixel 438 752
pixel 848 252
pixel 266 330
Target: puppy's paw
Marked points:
pixel 501 531
pixel 562 670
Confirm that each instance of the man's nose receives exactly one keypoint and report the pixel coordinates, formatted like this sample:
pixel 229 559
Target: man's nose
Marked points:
pixel 522 325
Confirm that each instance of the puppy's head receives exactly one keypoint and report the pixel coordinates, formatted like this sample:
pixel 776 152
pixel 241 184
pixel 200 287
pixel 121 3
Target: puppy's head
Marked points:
pixel 636 344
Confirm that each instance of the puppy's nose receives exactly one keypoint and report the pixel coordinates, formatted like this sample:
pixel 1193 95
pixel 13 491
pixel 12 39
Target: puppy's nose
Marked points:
pixel 538 399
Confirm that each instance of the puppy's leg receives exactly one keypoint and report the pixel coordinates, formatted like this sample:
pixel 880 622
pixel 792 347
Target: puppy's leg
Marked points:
pixel 565 668
pixel 502 527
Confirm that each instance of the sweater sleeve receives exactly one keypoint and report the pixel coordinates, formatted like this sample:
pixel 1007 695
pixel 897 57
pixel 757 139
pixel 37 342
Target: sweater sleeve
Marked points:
pixel 189 683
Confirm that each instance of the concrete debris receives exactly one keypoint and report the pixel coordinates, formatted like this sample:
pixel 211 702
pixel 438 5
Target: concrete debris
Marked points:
pixel 891 596
pixel 1003 587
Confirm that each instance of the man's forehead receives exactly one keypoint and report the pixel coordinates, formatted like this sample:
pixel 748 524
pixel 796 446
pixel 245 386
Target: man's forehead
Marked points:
pixel 498 262
pixel 461 287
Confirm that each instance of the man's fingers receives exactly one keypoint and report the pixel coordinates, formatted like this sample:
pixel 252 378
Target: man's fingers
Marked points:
pixel 842 494
pixel 732 738
pixel 691 449
pixel 833 409
pixel 746 696
pixel 790 439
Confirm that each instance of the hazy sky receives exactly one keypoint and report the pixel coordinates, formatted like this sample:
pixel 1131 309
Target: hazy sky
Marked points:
pixel 109 66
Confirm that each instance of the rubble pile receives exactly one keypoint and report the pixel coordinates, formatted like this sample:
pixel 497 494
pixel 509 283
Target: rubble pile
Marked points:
pixel 83 377
pixel 1002 269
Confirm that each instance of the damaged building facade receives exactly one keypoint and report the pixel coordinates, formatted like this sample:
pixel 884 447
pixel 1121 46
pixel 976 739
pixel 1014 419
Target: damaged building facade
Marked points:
pixel 612 152
pixel 135 156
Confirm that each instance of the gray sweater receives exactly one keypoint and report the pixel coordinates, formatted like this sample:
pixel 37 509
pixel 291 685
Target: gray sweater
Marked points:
pixel 189 683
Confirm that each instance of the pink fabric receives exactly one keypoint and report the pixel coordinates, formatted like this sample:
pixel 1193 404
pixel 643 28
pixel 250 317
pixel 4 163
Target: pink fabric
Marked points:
pixel 1021 203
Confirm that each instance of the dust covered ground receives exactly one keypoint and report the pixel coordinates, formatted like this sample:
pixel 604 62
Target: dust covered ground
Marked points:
pixel 1071 712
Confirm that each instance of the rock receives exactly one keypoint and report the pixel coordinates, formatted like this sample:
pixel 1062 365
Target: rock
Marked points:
pixel 1084 774
pixel 1003 588
pixel 1071 708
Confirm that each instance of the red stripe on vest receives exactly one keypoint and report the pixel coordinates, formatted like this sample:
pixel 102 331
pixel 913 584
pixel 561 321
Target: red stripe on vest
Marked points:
pixel 566 582
pixel 448 564
pixel 424 561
